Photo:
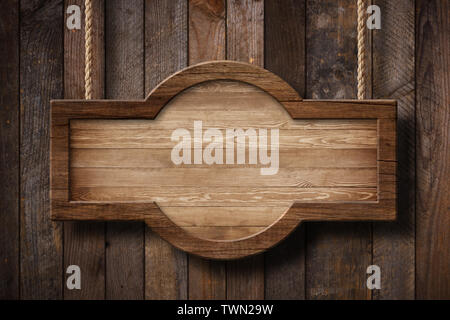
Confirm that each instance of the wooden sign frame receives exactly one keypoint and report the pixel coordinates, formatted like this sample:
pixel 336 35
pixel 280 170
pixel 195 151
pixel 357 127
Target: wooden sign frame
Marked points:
pixel 383 111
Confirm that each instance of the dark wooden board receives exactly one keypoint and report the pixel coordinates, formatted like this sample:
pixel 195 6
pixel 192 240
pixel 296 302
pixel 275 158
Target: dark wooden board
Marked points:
pixel 432 149
pixel 84 243
pixel 41 79
pixel 9 150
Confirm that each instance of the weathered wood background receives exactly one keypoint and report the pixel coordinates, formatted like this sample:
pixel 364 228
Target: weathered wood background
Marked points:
pixel 309 43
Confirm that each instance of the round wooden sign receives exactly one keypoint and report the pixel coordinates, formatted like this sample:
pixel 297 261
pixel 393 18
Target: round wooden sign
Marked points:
pixel 223 160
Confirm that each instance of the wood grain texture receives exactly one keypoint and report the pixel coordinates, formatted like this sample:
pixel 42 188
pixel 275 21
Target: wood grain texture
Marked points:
pixel 166 51
pixel 245 31
pixel 432 149
pixel 393 242
pixel 221 196
pixel 9 150
pixel 84 243
pixel 284 45
pixel 207 41
pixel 207 279
pixel 245 42
pixel 41 79
pixel 290 140
pixel 158 158
pixel 206 30
pixel 318 178
pixel 337 254
pixel 124 31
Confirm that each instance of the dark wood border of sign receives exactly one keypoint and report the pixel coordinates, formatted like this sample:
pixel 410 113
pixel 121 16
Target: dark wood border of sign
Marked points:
pixel 383 111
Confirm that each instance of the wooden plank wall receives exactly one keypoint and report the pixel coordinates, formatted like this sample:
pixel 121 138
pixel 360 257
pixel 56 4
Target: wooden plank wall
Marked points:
pixel 312 45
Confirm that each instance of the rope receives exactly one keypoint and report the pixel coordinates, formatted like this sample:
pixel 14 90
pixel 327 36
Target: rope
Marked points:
pixel 88 51
pixel 361 50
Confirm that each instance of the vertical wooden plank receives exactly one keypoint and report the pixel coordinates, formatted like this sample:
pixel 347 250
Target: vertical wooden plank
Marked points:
pixel 285 55
pixel 393 78
pixel 432 151
pixel 245 31
pixel 284 41
pixel 245 42
pixel 166 274
pixel 206 30
pixel 245 278
pixel 9 150
pixel 285 268
pixel 207 279
pixel 337 253
pixel 124 32
pixel 84 242
pixel 369 58
pixel 41 79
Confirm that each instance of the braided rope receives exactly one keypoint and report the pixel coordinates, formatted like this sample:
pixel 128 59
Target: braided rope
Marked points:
pixel 88 52
pixel 361 50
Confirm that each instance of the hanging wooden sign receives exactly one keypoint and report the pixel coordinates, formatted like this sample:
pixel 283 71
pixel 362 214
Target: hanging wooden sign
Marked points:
pixel 223 160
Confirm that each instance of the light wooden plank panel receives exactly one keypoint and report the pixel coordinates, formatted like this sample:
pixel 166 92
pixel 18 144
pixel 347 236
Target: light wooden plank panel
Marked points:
pixel 160 158
pixel 252 104
pixel 284 43
pixel 304 124
pixel 221 196
pixel 161 139
pixel 223 233
pixel 207 41
pixel 258 216
pixel 314 177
